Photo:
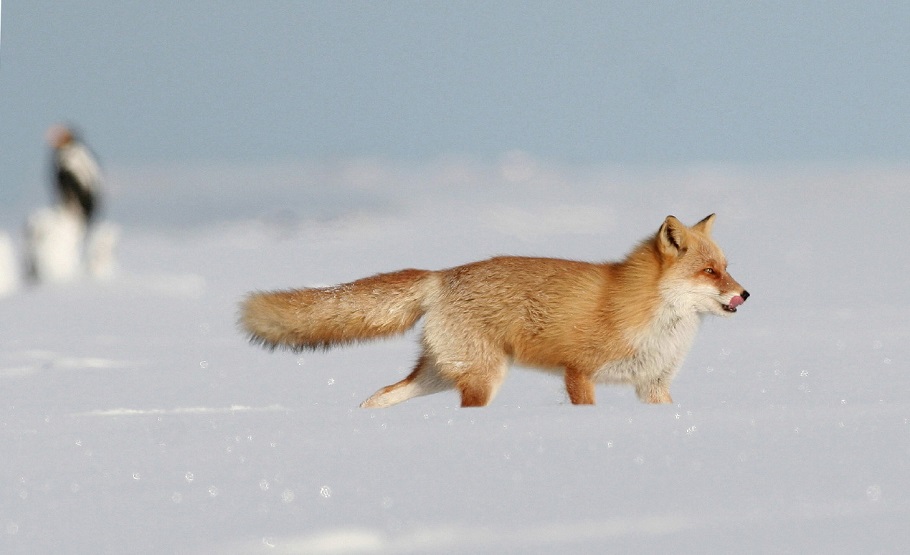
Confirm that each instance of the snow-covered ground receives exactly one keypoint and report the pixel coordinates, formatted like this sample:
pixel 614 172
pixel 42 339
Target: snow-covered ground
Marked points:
pixel 135 418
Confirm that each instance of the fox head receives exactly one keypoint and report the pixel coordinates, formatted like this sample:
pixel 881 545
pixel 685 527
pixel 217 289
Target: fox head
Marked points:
pixel 696 274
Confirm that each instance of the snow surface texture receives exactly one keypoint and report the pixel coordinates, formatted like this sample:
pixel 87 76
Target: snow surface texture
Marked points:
pixel 134 416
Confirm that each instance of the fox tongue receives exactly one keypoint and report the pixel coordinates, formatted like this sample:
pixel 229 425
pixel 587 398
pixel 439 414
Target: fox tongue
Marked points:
pixel 736 301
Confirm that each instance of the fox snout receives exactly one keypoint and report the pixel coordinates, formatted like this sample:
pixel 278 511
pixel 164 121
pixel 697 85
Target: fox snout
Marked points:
pixel 736 301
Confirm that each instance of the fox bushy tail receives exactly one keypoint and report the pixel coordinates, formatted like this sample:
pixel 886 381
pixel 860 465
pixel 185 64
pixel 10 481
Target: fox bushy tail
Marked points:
pixel 376 306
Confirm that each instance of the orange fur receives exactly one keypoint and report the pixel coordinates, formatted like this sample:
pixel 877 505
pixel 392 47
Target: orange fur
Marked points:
pixel 625 322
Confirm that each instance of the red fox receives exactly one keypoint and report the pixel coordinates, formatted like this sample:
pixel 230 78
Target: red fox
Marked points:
pixel 628 322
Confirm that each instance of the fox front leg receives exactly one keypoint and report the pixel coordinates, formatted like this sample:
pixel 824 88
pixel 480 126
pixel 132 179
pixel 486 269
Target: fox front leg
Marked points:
pixel 579 386
pixel 655 391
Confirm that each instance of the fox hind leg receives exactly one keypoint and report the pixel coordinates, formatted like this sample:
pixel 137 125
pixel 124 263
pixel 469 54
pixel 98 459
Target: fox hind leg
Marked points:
pixel 478 386
pixel 474 393
pixel 423 380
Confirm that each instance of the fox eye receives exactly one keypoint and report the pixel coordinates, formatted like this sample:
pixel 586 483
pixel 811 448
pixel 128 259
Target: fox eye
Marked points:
pixel 710 271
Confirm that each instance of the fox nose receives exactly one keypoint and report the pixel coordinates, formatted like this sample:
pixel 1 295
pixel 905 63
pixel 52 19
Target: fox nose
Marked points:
pixel 745 294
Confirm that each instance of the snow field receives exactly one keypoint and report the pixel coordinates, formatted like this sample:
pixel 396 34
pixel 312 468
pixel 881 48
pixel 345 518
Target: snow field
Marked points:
pixel 135 417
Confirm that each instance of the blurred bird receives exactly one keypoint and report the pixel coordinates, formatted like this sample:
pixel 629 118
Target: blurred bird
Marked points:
pixel 76 172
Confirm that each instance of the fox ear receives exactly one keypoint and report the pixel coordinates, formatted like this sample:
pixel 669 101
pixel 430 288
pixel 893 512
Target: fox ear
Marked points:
pixel 705 225
pixel 672 237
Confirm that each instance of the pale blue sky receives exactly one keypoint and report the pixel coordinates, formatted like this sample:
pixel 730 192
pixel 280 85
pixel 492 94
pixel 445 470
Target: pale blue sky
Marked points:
pixel 656 83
